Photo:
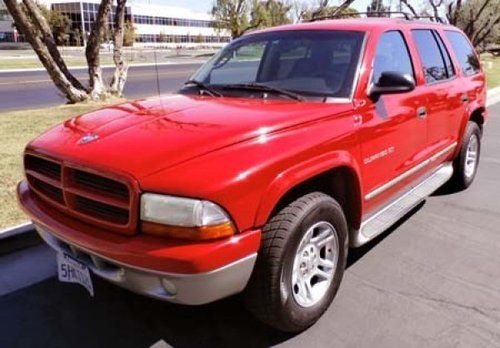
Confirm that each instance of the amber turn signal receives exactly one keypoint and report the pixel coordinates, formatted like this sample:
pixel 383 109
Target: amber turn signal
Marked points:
pixel 192 233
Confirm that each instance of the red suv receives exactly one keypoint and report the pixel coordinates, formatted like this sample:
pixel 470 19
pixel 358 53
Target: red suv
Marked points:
pixel 285 149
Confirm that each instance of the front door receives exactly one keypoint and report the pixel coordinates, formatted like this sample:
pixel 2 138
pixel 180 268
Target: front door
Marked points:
pixel 392 135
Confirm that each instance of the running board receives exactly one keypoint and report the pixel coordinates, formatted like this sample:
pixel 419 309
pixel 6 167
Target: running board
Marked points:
pixel 390 214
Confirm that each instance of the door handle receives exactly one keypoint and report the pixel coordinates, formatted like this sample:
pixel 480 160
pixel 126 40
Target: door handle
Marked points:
pixel 422 112
pixel 464 98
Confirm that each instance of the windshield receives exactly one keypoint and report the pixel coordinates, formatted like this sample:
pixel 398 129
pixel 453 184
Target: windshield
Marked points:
pixel 309 63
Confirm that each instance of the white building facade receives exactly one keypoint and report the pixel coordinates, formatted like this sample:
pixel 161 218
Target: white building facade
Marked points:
pixel 7 31
pixel 155 25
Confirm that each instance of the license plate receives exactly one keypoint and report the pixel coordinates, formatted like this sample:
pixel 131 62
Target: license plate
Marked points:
pixel 70 270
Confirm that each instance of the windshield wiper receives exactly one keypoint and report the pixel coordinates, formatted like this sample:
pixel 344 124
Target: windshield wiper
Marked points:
pixel 265 88
pixel 204 87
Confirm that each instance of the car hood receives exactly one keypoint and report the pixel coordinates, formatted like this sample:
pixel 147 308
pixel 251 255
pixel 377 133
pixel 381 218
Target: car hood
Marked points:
pixel 146 136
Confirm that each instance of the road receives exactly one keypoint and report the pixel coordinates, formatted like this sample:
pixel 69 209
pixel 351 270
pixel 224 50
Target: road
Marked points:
pixel 431 281
pixel 34 89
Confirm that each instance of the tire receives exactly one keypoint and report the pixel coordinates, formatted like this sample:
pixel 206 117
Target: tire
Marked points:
pixel 273 294
pixel 464 171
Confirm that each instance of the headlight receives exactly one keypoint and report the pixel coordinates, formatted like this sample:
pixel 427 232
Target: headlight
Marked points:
pixel 183 217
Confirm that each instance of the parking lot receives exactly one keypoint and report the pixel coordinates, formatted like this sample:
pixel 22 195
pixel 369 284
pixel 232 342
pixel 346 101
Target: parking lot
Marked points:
pixel 432 280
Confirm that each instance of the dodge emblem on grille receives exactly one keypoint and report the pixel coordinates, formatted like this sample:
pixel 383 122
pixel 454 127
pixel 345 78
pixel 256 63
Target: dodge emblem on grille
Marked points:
pixel 87 138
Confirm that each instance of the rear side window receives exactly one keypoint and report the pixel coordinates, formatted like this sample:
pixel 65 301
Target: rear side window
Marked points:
pixel 433 60
pixel 392 55
pixel 464 52
pixel 445 54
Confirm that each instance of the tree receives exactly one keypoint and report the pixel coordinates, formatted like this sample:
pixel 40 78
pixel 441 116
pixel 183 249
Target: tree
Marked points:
pixel 60 25
pixel 129 34
pixel 162 37
pixel 269 13
pixel 35 27
pixel 479 19
pixel 324 9
pixel 233 15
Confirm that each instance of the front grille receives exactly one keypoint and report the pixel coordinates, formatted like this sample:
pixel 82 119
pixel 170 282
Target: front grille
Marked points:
pixel 89 196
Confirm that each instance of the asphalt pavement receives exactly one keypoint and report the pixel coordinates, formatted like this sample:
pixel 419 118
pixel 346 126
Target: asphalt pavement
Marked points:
pixel 433 280
pixel 34 89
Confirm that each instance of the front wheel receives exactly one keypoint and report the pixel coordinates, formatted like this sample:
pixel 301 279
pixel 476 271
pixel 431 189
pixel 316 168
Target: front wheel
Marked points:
pixel 467 161
pixel 301 263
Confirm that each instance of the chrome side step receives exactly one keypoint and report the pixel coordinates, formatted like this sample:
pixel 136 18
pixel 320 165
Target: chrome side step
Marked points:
pixel 380 221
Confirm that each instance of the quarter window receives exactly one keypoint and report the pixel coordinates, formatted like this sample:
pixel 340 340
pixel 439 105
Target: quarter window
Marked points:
pixel 432 60
pixel 392 55
pixel 464 52
pixel 446 56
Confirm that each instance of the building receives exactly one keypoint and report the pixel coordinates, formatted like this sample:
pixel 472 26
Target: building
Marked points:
pixel 7 31
pixel 154 25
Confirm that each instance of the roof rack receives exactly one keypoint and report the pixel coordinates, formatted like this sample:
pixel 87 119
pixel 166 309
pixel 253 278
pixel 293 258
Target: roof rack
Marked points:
pixel 375 14
pixel 432 18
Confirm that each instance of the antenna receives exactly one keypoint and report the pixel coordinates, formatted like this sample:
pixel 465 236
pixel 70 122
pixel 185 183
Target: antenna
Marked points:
pixel 157 74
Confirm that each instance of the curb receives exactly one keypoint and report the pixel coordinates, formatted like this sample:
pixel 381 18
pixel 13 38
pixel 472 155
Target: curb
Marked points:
pixel 16 230
pixel 493 97
pixel 5 71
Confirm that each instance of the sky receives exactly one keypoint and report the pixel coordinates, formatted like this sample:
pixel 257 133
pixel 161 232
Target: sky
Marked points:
pixel 206 5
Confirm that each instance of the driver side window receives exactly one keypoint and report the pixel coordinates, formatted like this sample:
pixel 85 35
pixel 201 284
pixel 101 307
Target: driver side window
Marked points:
pixel 392 55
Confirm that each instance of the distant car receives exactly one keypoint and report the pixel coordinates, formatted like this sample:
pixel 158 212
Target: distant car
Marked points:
pixel 109 46
pixel 286 148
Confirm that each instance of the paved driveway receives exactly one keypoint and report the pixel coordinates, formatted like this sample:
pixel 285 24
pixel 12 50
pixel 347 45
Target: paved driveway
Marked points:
pixel 432 280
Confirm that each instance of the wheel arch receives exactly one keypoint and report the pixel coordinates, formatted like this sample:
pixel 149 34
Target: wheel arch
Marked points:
pixel 340 181
pixel 476 115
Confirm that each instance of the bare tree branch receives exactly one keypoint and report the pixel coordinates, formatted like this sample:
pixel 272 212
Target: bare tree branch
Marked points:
pixel 410 7
pixel 342 7
pixel 24 25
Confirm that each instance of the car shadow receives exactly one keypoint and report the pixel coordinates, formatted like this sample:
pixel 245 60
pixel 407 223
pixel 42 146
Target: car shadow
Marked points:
pixel 449 188
pixel 60 315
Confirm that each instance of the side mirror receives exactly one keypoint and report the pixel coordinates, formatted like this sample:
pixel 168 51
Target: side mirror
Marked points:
pixel 391 82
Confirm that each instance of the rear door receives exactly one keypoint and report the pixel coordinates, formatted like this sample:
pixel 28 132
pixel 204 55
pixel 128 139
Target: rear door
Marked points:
pixel 442 93
pixel 392 136
pixel 472 83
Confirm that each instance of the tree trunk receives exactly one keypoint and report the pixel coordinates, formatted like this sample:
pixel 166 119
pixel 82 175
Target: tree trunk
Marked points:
pixel 23 24
pixel 121 67
pixel 96 81
pixel 49 41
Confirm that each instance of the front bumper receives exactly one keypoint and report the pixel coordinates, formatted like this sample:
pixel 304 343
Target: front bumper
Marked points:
pixel 172 270
pixel 191 289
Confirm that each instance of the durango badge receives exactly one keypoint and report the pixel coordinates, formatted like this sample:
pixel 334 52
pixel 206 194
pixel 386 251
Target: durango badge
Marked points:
pixel 87 138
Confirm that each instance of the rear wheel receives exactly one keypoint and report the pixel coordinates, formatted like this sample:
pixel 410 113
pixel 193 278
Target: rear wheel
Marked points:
pixel 467 161
pixel 300 264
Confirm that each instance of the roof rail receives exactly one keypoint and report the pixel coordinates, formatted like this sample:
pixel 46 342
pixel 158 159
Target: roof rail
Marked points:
pixel 406 15
pixel 432 18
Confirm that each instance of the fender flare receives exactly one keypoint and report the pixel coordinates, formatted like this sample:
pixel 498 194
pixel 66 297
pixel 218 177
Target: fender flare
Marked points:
pixel 293 176
pixel 471 109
